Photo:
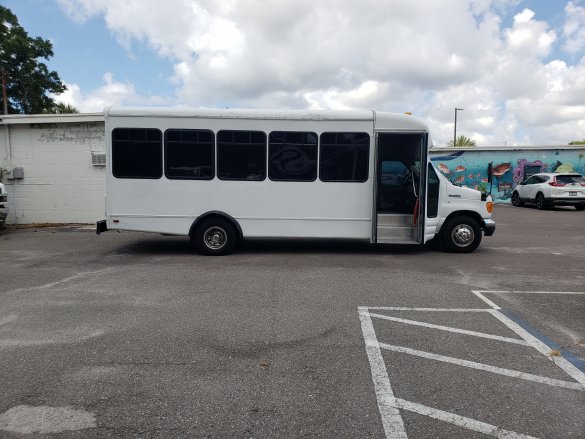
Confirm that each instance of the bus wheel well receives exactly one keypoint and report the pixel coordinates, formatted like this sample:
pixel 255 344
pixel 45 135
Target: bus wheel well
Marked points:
pixel 468 213
pixel 211 215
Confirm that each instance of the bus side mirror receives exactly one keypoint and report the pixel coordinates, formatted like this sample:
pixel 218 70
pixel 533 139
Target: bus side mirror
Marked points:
pixel 489 172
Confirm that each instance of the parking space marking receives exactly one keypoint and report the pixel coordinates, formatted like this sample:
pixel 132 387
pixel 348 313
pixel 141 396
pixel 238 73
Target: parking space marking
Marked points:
pixel 391 418
pixel 485 367
pixel 390 406
pixel 545 350
pixel 581 293
pixel 461 421
pixel 537 344
pixel 402 308
pixel 485 299
pixel 450 329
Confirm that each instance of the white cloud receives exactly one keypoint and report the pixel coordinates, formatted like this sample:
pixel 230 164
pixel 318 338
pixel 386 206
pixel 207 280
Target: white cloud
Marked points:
pixel 424 57
pixel 111 93
pixel 574 29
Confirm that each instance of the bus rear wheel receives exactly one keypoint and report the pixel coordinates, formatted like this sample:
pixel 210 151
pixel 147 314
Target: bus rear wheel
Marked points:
pixel 215 237
pixel 461 234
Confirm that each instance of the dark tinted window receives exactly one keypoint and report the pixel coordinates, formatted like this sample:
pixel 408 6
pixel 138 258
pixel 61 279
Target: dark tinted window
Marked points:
pixel 241 155
pixel 189 154
pixel 136 153
pixel 344 157
pixel 533 180
pixel 293 156
pixel 432 193
pixel 570 179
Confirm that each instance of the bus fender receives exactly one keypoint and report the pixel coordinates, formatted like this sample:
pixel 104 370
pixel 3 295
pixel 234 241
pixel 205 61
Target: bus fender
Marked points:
pixel 215 213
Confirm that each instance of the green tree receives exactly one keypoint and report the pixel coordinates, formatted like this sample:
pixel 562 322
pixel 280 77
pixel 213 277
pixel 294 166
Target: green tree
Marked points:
pixel 61 108
pixel 577 142
pixel 462 141
pixel 26 81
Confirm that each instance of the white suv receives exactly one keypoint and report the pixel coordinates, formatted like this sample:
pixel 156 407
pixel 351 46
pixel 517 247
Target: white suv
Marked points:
pixel 551 190
pixel 3 205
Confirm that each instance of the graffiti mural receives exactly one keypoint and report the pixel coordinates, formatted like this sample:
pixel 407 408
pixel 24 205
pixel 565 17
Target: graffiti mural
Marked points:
pixel 469 167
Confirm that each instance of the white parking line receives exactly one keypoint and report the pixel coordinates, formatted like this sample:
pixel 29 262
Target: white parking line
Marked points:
pixel 541 347
pixel 485 367
pixel 533 292
pixel 450 329
pixel 485 299
pixel 470 424
pixel 401 308
pixel 391 418
pixel 571 370
pixel 390 406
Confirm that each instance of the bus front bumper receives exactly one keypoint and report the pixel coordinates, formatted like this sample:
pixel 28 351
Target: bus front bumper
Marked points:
pixel 489 227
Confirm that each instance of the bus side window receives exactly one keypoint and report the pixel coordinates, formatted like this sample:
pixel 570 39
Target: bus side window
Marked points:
pixel 344 157
pixel 241 155
pixel 137 153
pixel 292 156
pixel 189 154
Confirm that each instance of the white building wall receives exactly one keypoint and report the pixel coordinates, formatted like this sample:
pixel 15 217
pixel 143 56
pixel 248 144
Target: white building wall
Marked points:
pixel 60 184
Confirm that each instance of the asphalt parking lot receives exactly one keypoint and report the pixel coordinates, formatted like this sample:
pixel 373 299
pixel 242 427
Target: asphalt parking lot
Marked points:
pixel 136 335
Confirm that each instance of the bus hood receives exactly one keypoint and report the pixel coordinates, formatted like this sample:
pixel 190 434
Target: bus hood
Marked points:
pixel 463 192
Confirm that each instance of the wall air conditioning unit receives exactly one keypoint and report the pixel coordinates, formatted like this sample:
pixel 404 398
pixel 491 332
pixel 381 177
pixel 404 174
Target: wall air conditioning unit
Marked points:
pixel 98 158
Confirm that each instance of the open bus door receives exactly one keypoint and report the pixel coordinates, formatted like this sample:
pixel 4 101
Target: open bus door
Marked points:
pixel 400 188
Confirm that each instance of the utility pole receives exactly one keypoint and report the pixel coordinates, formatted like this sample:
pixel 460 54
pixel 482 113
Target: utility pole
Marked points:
pixel 455 128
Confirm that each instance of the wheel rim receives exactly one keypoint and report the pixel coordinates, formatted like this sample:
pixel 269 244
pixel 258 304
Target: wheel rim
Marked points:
pixel 462 235
pixel 215 238
pixel 515 199
pixel 539 201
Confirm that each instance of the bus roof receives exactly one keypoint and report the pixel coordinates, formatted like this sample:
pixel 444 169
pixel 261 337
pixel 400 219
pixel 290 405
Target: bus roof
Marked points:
pixel 382 120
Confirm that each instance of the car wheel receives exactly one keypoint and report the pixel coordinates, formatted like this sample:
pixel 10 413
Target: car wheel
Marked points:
pixel 215 237
pixel 461 234
pixel 580 206
pixel 516 200
pixel 540 201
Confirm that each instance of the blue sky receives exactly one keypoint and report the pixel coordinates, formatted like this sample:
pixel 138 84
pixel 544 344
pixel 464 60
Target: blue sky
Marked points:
pixel 83 52
pixel 514 65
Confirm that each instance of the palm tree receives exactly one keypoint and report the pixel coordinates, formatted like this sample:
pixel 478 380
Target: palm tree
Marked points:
pixel 462 141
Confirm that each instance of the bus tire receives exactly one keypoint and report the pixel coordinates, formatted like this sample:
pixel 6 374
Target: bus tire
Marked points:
pixel 215 237
pixel 461 234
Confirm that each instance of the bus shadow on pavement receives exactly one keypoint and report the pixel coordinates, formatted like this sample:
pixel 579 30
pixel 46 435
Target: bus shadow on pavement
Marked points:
pixel 166 245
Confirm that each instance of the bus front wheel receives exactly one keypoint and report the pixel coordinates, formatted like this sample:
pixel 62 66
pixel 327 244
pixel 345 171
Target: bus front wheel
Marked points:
pixel 215 237
pixel 461 234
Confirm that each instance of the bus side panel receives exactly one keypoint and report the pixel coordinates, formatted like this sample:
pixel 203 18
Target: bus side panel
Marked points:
pixel 262 208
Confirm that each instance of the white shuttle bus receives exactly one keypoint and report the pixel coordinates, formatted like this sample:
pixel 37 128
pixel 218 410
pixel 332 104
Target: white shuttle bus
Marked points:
pixel 219 176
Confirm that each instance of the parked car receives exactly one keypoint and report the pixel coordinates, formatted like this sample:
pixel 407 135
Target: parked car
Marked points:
pixel 546 189
pixel 3 205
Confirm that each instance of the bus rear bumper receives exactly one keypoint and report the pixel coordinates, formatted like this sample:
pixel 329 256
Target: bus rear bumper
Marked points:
pixel 101 226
